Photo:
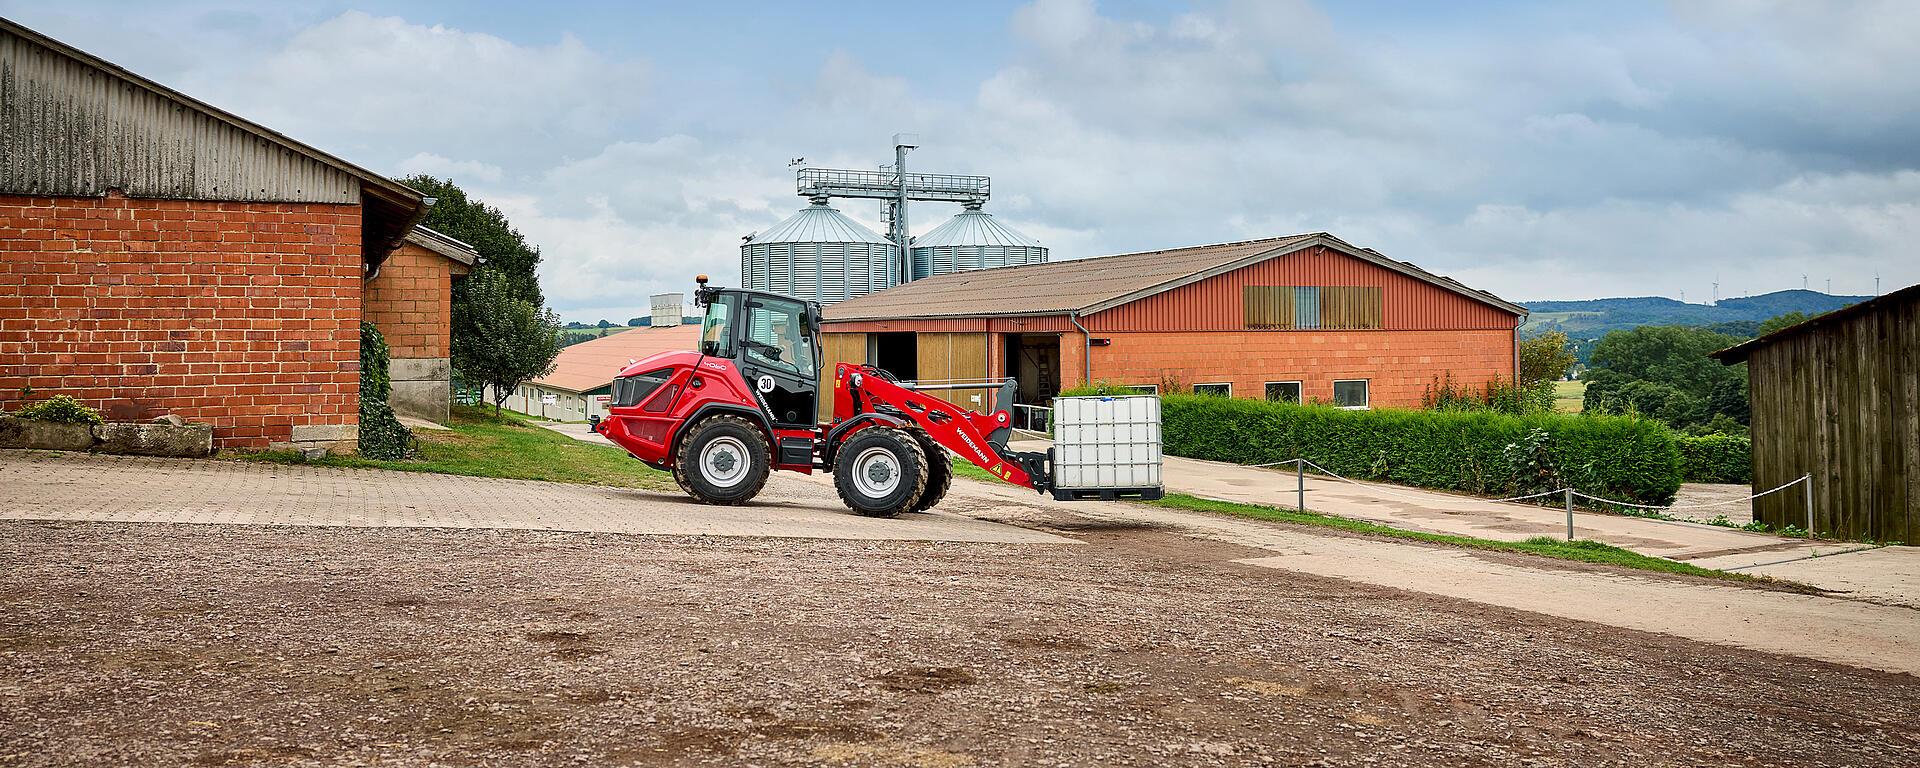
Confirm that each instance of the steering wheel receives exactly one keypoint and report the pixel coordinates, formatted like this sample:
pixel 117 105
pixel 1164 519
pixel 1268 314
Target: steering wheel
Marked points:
pixel 772 352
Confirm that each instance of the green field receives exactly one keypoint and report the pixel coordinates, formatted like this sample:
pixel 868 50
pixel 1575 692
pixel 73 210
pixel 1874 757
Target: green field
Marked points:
pixel 1569 396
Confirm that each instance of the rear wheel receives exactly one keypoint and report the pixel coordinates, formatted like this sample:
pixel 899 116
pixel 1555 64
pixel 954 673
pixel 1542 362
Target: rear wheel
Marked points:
pixel 723 460
pixel 880 472
pixel 939 472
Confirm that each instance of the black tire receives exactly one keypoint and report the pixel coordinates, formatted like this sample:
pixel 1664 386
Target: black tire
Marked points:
pixel 880 472
pixel 939 472
pixel 720 480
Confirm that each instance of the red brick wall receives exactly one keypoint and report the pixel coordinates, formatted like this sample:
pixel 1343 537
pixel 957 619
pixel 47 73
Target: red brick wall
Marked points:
pixel 1398 364
pixel 411 302
pixel 241 315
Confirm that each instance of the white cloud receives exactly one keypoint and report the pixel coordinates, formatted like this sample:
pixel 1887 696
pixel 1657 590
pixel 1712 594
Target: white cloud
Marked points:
pixel 461 171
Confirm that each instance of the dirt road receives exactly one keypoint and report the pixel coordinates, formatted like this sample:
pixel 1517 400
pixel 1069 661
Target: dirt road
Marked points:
pixel 231 645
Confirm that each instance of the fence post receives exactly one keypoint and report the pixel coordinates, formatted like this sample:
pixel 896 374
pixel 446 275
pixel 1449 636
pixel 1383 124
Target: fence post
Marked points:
pixel 1300 482
pixel 1569 492
pixel 1809 478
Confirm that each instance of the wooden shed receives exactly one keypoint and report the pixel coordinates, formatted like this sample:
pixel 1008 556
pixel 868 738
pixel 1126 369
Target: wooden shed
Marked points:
pixel 1838 397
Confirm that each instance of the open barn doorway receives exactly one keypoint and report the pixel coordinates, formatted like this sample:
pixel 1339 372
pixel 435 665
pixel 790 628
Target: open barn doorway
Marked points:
pixel 1033 360
pixel 898 354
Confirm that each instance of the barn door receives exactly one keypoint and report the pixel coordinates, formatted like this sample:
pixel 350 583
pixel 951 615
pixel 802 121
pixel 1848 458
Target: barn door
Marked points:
pixel 836 348
pixel 955 357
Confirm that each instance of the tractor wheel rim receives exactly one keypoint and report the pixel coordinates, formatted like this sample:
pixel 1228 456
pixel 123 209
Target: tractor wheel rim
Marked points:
pixel 724 462
pixel 876 472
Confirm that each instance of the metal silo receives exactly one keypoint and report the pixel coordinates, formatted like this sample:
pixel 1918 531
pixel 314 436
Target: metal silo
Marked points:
pixel 819 254
pixel 972 239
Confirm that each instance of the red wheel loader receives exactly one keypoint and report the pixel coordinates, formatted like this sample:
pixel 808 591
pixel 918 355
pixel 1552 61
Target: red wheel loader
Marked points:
pixel 724 416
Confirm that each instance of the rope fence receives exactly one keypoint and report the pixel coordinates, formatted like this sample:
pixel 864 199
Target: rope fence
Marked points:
pixel 1567 493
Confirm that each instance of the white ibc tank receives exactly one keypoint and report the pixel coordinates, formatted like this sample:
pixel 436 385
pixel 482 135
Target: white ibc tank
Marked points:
pixel 1106 443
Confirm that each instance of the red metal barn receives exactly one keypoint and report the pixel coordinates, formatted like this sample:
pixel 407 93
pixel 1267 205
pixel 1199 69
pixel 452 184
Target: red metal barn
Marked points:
pixel 1304 317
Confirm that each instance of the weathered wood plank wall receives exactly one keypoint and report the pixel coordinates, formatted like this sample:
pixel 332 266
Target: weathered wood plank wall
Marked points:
pixel 1842 401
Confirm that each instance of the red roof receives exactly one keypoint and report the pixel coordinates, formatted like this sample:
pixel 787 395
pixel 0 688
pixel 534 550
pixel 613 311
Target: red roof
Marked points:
pixel 590 365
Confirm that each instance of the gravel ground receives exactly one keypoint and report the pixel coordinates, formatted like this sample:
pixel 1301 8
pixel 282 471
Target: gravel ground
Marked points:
pixel 215 645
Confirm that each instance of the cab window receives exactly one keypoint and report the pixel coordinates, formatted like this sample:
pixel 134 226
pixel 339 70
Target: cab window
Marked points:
pixel 716 332
pixel 776 336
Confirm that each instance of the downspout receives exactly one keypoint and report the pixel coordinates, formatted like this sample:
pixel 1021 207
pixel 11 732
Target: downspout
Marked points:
pixel 1086 348
pixel 1517 321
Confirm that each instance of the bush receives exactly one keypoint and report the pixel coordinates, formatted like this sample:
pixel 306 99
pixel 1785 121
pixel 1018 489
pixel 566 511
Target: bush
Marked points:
pixel 382 436
pixel 1615 457
pixel 1716 459
pixel 60 408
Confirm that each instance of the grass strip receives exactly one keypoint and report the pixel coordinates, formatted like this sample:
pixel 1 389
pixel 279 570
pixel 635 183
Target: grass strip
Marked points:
pixel 513 448
pixel 1579 550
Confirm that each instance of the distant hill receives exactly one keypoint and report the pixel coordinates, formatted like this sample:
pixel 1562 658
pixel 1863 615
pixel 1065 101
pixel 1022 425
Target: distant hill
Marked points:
pixel 1585 322
pixel 1593 318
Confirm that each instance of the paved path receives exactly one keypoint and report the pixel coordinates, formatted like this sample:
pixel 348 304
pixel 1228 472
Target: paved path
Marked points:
pixel 1856 632
pixel 41 485
pixel 1890 575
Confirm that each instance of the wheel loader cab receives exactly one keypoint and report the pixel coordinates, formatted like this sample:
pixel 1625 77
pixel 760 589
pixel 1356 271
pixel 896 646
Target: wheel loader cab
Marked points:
pixel 774 341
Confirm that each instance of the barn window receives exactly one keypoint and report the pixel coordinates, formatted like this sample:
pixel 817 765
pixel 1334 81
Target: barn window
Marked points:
pixel 1292 307
pixel 1351 394
pixel 1283 391
pixel 1220 389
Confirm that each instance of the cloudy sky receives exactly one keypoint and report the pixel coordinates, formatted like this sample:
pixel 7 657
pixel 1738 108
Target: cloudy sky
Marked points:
pixel 1612 148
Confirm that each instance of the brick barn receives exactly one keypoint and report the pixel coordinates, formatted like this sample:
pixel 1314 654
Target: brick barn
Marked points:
pixel 1300 318
pixel 410 299
pixel 161 256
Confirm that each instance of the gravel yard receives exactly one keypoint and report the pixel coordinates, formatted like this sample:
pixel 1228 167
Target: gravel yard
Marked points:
pixel 258 645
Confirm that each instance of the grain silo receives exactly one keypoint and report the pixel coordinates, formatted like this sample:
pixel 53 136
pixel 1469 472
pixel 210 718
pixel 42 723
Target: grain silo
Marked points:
pixel 819 254
pixel 972 239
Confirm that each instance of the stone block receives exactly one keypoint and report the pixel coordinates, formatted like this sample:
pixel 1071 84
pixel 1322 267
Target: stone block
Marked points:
pixel 44 435
pixel 154 439
pixel 326 433
pixel 420 369
pixel 428 400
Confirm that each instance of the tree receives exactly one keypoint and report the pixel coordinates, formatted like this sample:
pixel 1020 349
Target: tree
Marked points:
pixel 1681 385
pixel 1780 321
pixel 1545 357
pixel 604 324
pixel 484 227
pixel 638 322
pixel 510 340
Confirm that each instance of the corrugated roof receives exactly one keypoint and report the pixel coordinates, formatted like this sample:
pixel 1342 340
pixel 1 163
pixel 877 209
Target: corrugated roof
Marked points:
pixel 590 365
pixel 443 244
pixel 974 227
pixel 1090 285
pixel 818 223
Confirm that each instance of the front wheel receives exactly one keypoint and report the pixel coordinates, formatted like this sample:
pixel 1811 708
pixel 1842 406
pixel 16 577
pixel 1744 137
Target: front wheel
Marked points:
pixel 880 472
pixel 723 460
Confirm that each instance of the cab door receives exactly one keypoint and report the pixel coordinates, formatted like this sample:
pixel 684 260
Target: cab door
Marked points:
pixel 778 357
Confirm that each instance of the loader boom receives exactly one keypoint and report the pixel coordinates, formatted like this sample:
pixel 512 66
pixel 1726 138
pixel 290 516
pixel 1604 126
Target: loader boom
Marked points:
pixel 860 391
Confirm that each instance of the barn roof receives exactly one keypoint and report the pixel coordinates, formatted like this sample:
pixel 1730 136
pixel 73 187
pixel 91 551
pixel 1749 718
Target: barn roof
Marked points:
pixel 1085 286
pixel 590 365
pixel 443 244
pixel 80 135
pixel 1739 353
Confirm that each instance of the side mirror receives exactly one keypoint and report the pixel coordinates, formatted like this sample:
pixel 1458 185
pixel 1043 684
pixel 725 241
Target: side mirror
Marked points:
pixel 813 321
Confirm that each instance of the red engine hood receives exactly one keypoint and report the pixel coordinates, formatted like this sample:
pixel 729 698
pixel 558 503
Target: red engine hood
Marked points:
pixel 662 360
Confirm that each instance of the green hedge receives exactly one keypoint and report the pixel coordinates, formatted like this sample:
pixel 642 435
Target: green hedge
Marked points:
pixel 1716 459
pixel 1617 457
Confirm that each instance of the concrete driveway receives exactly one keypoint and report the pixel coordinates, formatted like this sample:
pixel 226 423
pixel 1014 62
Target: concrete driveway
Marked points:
pixel 1886 574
